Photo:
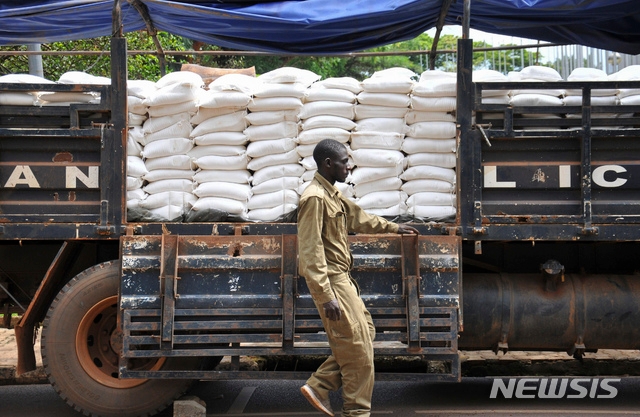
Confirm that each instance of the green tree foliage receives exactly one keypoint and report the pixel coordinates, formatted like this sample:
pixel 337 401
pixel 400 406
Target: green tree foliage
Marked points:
pixel 140 66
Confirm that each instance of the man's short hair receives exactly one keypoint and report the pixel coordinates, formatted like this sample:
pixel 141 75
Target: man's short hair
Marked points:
pixel 326 148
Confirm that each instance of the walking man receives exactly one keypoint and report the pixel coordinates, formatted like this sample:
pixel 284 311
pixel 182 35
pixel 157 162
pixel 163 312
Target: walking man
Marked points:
pixel 325 218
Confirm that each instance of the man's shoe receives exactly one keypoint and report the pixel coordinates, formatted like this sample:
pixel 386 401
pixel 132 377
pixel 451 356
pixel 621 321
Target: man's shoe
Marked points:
pixel 315 401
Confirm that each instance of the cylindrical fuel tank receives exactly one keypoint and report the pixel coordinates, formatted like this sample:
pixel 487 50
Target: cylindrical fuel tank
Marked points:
pixel 520 312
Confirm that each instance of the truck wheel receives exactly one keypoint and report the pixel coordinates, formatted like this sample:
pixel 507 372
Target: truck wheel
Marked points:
pixel 81 346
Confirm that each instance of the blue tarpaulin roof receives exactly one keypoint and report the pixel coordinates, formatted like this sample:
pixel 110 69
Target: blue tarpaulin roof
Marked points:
pixel 326 26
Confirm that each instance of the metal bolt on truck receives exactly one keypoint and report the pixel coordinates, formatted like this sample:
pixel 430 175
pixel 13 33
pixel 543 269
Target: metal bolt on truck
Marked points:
pixel 540 254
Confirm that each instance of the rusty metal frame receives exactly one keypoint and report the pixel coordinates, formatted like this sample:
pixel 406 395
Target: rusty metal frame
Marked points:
pixel 170 321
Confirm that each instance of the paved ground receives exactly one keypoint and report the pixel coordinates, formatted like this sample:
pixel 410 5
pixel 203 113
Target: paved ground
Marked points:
pixel 475 363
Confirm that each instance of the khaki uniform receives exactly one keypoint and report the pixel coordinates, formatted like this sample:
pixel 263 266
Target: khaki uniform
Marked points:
pixel 324 219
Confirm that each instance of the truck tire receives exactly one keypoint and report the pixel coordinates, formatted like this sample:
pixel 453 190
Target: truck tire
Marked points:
pixel 81 347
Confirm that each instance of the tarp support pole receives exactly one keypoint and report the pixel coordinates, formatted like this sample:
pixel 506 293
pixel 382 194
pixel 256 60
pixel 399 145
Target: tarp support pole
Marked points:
pixel 466 19
pixel 144 13
pixel 434 47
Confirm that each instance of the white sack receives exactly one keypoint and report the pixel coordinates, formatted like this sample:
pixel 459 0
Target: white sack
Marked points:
pixel 377 158
pixel 321 121
pixel 229 163
pixel 430 198
pixel 329 108
pixel 156 124
pixel 382 124
pixel 166 174
pixel 270 214
pixel 384 99
pixel 376 140
pixel 233 122
pixel 241 192
pixel 435 104
pixel 217 99
pixel 274 199
pixel 344 83
pixel 170 162
pixel 289 157
pixel 385 184
pixel 277 184
pixel 271 117
pixel 188 106
pixel 228 205
pixel 162 186
pixel 274 103
pixel 429 172
pixel 181 129
pixel 275 171
pixel 420 186
pixel 432 130
pixel 415 116
pixel 136 167
pixel 273 131
pixel 361 175
pixel 381 199
pixel 167 147
pixel 313 136
pixel 419 145
pixel 240 176
pixel 329 94
pixel 365 111
pixel 444 160
pixel 218 150
pixel 269 147
pixel 221 138
pixel 431 212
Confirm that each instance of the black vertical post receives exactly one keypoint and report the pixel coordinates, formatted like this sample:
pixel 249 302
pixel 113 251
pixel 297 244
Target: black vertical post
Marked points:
pixel 469 178
pixel 113 169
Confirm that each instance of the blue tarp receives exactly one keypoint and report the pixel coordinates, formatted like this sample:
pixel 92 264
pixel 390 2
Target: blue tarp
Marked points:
pixel 326 26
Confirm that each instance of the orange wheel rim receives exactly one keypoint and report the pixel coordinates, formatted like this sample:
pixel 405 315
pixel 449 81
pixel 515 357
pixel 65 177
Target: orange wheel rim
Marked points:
pixel 98 350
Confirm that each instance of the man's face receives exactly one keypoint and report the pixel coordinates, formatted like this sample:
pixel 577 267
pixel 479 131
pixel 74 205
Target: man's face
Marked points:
pixel 339 168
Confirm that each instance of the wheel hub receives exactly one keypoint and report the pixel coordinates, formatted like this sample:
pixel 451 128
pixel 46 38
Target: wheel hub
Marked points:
pixel 99 344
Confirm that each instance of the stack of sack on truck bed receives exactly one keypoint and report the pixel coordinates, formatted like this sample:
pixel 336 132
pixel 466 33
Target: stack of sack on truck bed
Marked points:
pixel 166 144
pixel 537 97
pixel 273 141
pixel 327 113
pixel 377 139
pixel 240 148
pixel 431 146
pixel 220 152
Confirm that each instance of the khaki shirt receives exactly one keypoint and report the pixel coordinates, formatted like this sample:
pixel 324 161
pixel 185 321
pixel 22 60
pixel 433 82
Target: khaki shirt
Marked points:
pixel 325 218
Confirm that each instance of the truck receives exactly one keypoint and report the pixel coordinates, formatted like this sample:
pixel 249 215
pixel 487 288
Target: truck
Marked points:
pixel 539 256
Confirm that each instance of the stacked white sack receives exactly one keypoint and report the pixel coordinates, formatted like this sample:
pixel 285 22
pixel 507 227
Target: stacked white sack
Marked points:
pixel 328 113
pixel 19 98
pixel 377 140
pixel 273 138
pixel 137 91
pixel 430 146
pixel 492 96
pixel 537 97
pixel 222 182
pixel 166 141
pixel 599 97
pixel 65 98
pixel 627 96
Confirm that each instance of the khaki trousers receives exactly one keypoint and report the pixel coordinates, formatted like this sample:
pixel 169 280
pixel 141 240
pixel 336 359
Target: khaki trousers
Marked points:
pixel 351 340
